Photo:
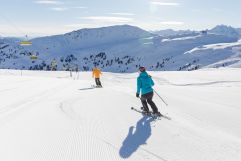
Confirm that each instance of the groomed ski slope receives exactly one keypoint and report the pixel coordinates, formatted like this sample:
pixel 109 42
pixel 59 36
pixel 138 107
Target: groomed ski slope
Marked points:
pixel 49 116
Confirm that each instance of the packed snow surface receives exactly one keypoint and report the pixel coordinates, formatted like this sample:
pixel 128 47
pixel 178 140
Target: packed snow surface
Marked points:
pixel 50 116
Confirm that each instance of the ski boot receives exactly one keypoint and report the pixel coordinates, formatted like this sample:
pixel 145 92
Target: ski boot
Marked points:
pixel 157 114
pixel 145 112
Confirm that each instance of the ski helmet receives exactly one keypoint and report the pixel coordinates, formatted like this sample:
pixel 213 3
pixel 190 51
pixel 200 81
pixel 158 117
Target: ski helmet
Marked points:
pixel 142 69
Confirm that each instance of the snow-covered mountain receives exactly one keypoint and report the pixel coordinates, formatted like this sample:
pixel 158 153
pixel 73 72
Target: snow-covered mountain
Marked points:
pixel 88 38
pixel 173 33
pixel 219 29
pixel 120 49
pixel 10 40
pixel 239 31
pixel 225 30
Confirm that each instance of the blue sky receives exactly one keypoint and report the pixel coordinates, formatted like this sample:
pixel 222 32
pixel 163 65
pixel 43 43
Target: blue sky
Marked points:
pixel 48 17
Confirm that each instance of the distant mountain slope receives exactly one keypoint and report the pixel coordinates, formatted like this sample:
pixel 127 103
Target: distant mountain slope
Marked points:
pixel 116 48
pixel 86 38
pixel 239 31
pixel 173 33
pixel 225 30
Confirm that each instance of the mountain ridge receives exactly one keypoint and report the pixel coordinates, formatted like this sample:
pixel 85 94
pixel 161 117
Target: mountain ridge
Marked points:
pixel 120 48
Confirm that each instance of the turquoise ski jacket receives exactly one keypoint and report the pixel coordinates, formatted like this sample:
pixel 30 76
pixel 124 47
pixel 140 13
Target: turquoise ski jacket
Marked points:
pixel 144 83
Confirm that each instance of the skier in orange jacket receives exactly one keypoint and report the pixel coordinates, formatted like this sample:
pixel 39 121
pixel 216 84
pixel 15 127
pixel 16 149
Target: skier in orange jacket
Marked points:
pixel 96 74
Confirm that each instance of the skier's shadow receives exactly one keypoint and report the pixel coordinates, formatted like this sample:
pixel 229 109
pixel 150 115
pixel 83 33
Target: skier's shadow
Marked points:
pixel 137 138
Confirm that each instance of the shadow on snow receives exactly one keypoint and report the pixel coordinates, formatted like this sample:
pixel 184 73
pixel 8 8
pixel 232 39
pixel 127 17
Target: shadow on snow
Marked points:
pixel 136 138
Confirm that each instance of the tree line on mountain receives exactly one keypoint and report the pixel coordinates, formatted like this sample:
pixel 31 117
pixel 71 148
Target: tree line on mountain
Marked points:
pixel 74 63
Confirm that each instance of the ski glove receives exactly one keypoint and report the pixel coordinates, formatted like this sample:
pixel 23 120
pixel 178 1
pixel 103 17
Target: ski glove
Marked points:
pixel 137 95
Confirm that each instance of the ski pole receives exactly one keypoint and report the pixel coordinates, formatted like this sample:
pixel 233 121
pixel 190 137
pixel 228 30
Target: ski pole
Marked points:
pixel 160 97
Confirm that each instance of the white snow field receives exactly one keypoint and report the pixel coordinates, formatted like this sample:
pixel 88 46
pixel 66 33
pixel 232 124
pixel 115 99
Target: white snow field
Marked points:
pixel 49 116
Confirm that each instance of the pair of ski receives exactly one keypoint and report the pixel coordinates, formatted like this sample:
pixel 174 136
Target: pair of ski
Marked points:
pixel 95 86
pixel 150 114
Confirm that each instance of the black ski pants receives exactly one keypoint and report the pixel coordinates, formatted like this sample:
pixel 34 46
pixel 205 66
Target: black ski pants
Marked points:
pixel 147 98
pixel 97 81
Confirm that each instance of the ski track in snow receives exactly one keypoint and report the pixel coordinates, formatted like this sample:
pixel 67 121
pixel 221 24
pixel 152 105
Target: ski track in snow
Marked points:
pixel 66 120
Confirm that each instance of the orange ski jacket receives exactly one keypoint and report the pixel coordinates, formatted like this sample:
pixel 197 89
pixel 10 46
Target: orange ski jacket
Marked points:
pixel 96 73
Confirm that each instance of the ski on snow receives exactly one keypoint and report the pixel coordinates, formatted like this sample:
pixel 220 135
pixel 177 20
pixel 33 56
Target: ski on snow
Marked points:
pixel 94 86
pixel 150 114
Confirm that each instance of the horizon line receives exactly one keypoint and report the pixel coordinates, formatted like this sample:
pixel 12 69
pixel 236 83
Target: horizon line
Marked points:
pixel 73 30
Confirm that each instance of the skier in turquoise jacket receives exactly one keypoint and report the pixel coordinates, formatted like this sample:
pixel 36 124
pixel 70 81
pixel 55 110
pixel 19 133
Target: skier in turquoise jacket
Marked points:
pixel 144 87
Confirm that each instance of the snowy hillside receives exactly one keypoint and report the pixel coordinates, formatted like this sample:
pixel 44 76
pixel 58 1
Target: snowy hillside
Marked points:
pixel 50 116
pixel 218 55
pixel 239 30
pixel 114 49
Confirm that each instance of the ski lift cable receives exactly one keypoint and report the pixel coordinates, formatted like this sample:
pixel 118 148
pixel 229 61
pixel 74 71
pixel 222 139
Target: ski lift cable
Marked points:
pixel 23 43
pixel 12 24
pixel 2 35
